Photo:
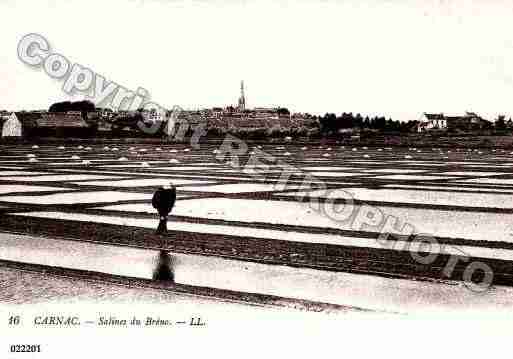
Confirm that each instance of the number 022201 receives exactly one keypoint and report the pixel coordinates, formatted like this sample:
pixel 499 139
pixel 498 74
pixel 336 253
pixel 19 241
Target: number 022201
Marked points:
pixel 25 348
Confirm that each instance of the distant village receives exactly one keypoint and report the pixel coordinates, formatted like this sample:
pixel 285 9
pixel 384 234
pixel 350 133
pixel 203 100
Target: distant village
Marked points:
pixel 83 120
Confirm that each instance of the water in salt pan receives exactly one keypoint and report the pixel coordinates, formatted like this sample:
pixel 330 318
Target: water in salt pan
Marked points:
pixel 186 168
pixel 246 231
pixel 16 162
pixel 329 168
pixel 367 162
pixel 11 188
pixel 328 193
pixel 503 181
pixel 445 223
pixel 77 197
pixel 132 262
pixel 465 163
pixel 392 170
pixel 21 173
pixel 315 160
pixel 58 177
pixel 413 177
pixel 208 164
pixel 142 182
pixel 372 292
pixel 450 188
pixel 428 164
pixel 65 164
pixel 497 167
pixel 12 168
pixel 333 174
pixel 486 200
pixel 126 165
pixel 238 188
pixel 54 158
pixel 471 173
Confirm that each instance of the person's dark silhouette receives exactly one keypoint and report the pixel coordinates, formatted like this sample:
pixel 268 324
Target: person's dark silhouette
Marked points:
pixel 163 201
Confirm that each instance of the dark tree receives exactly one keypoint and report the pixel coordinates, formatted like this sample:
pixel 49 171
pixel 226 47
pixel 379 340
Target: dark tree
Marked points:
pixel 283 111
pixel 500 123
pixel 82 106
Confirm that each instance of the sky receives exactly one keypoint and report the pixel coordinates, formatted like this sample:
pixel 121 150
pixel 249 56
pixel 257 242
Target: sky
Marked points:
pixel 396 58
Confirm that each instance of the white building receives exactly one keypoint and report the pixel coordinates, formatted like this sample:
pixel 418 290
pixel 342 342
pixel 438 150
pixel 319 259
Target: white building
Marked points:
pixel 432 121
pixel 468 121
pixel 12 127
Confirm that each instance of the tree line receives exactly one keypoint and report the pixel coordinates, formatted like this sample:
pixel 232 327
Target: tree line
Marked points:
pixel 67 106
pixel 330 123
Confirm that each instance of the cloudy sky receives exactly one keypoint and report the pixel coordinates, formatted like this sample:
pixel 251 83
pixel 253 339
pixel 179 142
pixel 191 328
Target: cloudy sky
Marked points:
pixel 397 57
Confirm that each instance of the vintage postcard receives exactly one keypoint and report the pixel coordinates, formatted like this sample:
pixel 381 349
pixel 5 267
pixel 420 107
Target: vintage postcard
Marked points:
pixel 235 178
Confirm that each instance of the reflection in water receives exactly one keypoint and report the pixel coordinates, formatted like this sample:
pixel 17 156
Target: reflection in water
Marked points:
pixel 163 270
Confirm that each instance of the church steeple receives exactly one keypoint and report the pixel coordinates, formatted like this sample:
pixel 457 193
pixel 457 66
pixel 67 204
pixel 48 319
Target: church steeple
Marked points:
pixel 242 98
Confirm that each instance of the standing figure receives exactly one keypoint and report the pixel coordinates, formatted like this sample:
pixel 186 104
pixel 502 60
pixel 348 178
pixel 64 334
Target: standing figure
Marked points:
pixel 163 201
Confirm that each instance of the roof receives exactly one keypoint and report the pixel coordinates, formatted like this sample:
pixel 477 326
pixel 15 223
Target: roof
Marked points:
pixel 52 119
pixel 434 116
pixel 466 117
pixel 457 118
pixel 61 119
pixel 28 119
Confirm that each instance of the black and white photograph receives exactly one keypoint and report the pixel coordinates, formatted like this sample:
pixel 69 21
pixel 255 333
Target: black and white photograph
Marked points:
pixel 236 178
